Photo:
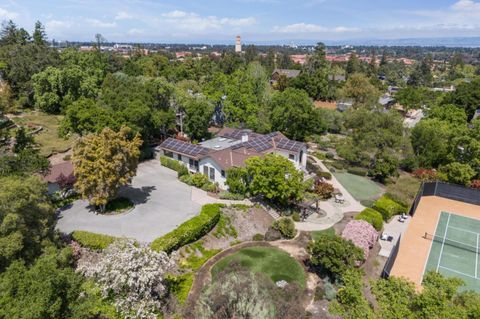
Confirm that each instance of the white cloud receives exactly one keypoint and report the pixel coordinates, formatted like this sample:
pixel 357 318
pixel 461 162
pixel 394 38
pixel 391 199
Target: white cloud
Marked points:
pixel 135 31
pixel 178 20
pixel 311 28
pixel 122 15
pixel 55 25
pixel 7 15
pixel 101 24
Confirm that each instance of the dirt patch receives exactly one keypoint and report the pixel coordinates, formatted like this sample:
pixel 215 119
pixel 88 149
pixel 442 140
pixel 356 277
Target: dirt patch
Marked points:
pixel 59 158
pixel 347 217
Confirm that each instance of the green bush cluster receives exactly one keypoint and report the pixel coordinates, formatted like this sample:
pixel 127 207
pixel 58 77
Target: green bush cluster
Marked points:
pixel 200 181
pixel 372 217
pixel 170 163
pixel 231 196
pixel 286 227
pixel 326 175
pixel 388 207
pixel 258 237
pixel 337 165
pixel 296 217
pixel 190 231
pixel 358 171
pixel 92 240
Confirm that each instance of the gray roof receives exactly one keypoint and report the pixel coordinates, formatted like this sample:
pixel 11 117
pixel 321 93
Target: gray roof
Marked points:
pixel 287 72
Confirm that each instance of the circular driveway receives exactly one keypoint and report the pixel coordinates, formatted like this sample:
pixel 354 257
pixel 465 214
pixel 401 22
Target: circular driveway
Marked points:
pixel 161 204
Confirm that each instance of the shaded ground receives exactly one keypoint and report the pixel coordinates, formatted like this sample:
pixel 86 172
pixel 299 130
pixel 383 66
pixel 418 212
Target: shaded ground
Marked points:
pixel 161 204
pixel 360 187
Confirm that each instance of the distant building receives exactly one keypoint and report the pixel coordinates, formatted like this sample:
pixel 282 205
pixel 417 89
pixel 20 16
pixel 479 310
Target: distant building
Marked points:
pixel 230 148
pixel 477 114
pixel 325 105
pixel 238 44
pixel 344 105
pixel 289 74
pixel 386 101
pixel 299 58
pixel 450 88
pixel 182 54
pixel 337 78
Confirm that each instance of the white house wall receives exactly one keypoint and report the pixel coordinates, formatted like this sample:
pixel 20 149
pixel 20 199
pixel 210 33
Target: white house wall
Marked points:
pixel 210 163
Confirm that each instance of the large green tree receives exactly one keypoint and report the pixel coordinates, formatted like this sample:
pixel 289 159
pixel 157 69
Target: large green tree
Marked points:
pixel 293 114
pixel 275 178
pixel 103 162
pixel 359 89
pixel 26 218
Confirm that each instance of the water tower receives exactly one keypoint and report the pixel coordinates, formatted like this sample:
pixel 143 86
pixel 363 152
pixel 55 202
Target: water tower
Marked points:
pixel 238 44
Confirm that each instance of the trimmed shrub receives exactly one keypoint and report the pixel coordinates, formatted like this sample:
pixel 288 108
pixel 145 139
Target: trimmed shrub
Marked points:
pixel 324 190
pixel 329 155
pixel 182 171
pixel 326 175
pixel 231 196
pixel 170 163
pixel 190 231
pixel 357 171
pixel 372 217
pixel 199 180
pixel 286 227
pixel 338 165
pixel 296 217
pixel 258 237
pixel 92 240
pixel 388 207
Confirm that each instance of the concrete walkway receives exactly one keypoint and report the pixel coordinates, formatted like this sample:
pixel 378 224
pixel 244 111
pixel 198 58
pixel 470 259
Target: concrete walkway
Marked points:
pixel 201 197
pixel 334 212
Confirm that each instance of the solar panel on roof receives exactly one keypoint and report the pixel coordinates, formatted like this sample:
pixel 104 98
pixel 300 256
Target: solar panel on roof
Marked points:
pixel 184 147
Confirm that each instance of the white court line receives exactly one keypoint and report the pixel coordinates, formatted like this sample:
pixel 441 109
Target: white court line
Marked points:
pixel 464 230
pixel 431 245
pixel 459 272
pixel 443 243
pixel 476 259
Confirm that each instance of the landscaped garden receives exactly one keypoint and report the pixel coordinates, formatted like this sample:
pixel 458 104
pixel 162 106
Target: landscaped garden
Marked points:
pixel 272 262
pixel 47 138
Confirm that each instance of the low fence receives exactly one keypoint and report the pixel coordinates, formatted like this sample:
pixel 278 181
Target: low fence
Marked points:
pixel 391 259
pixel 446 190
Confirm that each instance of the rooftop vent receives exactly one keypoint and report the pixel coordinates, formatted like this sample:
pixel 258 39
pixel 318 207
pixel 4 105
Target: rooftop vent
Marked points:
pixel 217 146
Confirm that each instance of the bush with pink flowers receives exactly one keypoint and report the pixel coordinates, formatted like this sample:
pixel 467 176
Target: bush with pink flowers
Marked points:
pixel 362 235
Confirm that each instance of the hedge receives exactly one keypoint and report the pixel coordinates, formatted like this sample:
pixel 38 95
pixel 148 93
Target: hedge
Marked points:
pixel 93 240
pixel 388 207
pixel 326 175
pixel 371 216
pixel 170 163
pixel 190 231
pixel 357 171
pixel 231 196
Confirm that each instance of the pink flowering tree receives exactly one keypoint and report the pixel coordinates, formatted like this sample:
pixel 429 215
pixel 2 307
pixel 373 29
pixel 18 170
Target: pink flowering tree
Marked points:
pixel 361 234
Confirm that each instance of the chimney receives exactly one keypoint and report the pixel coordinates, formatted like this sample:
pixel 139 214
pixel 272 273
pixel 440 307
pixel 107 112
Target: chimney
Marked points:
pixel 244 137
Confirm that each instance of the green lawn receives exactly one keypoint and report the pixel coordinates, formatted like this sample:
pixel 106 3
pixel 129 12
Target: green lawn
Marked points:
pixel 360 187
pixel 272 262
pixel 48 138
pixel 316 234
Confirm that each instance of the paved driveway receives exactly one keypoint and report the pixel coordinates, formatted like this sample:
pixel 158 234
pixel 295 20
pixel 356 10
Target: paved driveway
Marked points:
pixel 161 204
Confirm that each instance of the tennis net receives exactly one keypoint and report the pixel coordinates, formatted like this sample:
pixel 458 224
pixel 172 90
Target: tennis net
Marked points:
pixel 453 243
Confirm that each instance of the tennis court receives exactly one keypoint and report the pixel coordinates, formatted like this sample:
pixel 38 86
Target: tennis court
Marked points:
pixel 455 249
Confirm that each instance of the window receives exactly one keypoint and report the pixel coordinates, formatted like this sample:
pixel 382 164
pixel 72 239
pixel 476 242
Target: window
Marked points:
pixel 291 156
pixel 205 170
pixel 190 163
pixel 168 154
pixel 223 173
pixel 212 173
pixel 301 157
pixel 179 157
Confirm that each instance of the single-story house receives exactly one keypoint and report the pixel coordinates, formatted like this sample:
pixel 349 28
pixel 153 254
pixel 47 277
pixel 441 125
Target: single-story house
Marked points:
pixel 337 78
pixel 230 148
pixel 57 170
pixel 344 105
pixel 289 74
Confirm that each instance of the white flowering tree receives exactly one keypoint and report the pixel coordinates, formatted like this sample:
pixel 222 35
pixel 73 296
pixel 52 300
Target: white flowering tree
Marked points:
pixel 134 276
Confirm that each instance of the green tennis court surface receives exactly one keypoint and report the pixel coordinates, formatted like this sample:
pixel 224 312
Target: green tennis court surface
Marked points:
pixel 455 249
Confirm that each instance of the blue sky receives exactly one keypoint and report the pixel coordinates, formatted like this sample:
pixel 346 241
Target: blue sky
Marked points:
pixel 256 20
